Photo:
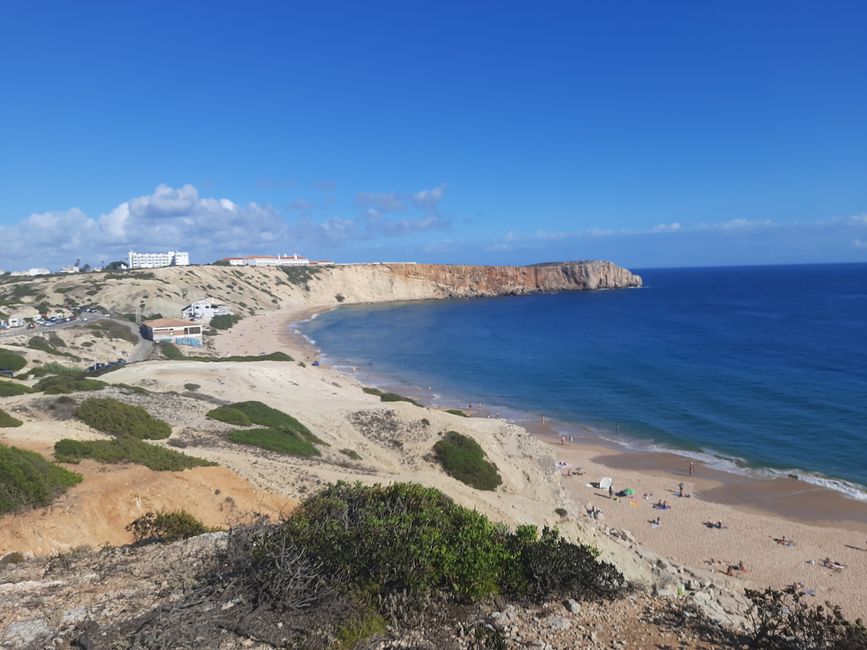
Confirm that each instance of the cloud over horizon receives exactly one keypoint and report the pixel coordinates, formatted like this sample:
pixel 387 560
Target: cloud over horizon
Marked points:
pixel 180 218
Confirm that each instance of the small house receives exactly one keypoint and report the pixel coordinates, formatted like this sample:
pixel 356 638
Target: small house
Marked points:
pixel 205 310
pixel 173 330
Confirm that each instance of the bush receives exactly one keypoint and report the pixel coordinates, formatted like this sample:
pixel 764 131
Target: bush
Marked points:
pixel 39 343
pixel 54 368
pixel 230 415
pixel 7 421
pixel 66 384
pixel 225 321
pixel 273 356
pixel 171 351
pixel 27 480
pixel 457 412
pixel 781 620
pixel 126 450
pixel 405 538
pixel 284 442
pixel 113 330
pixel 265 416
pixel 351 453
pixel 192 387
pixel 119 419
pixel 11 361
pixel 388 397
pixel 162 526
pixel 462 458
pixel 10 389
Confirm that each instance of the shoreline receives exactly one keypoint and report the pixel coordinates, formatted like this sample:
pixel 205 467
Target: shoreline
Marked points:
pixel 781 496
pixel 755 512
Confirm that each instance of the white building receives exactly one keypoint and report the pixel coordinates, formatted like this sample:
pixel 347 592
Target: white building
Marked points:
pixel 268 260
pixel 157 260
pixel 205 310
pixel 70 269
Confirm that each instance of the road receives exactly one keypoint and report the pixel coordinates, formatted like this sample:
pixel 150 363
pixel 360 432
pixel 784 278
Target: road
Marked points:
pixel 141 352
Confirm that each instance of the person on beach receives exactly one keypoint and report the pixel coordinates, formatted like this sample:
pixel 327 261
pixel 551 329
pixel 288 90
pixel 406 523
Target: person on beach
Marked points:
pixel 691 468
pixel 611 491
pixel 680 486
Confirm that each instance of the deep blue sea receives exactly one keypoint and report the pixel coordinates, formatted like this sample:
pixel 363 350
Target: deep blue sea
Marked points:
pixel 757 369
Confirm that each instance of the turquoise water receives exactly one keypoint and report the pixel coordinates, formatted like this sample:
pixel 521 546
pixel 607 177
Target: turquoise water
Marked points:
pixel 760 369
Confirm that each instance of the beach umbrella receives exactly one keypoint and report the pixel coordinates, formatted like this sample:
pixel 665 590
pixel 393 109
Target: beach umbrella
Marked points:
pixel 628 492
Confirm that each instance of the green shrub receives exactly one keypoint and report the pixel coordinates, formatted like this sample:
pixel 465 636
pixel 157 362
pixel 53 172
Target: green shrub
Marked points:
pixel 10 389
pixel 27 480
pixel 300 275
pixel 39 343
pixel 171 351
pixel 162 526
pixel 54 368
pixel 273 356
pixel 783 620
pixel 11 361
pixel 462 458
pixel 284 442
pixel 271 418
pixel 409 539
pixel 119 419
pixel 457 412
pixel 192 387
pixel 113 330
pixel 388 397
pixel 7 421
pixel 55 340
pixel 230 415
pixel 126 450
pixel 354 455
pixel 225 321
pixel 66 384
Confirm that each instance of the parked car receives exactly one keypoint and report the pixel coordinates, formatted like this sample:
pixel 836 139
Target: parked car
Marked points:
pixel 5 372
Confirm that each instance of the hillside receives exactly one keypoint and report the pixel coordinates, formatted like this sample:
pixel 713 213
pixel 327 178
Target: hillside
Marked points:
pixel 255 290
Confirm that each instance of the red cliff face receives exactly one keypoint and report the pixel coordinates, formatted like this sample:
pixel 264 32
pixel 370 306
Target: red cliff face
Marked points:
pixel 467 281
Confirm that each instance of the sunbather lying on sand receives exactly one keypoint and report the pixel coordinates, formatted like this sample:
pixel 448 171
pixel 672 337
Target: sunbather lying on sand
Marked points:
pixel 784 541
pixel 828 563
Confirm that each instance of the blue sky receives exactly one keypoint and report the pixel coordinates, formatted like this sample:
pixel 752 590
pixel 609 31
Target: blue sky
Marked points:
pixel 650 133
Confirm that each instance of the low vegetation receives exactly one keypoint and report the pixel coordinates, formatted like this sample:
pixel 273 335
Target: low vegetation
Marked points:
pixel 388 397
pixel 351 453
pixel 126 449
pixel 224 322
pixel 7 421
pixel 163 526
pixel 41 344
pixel 409 553
pixel 11 360
pixel 284 442
pixel 66 384
pixel 10 389
pixel 113 330
pixel 230 415
pixel 781 619
pixel 54 368
pixel 300 275
pixel 281 432
pixel 119 419
pixel 464 459
pixel 27 480
pixel 171 351
pixel 457 412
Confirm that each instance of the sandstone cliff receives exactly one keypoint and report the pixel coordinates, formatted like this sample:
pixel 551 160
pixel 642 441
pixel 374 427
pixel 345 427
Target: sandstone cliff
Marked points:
pixel 257 290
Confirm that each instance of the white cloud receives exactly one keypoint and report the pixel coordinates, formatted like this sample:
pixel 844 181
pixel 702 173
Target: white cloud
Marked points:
pixel 859 243
pixel 428 199
pixel 739 224
pixel 667 227
pixel 383 201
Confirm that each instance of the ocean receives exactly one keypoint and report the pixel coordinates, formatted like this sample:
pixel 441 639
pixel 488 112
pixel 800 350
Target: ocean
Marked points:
pixel 759 370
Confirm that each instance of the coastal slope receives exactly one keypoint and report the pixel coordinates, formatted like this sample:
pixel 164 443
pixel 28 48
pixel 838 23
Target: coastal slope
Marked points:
pixel 256 290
